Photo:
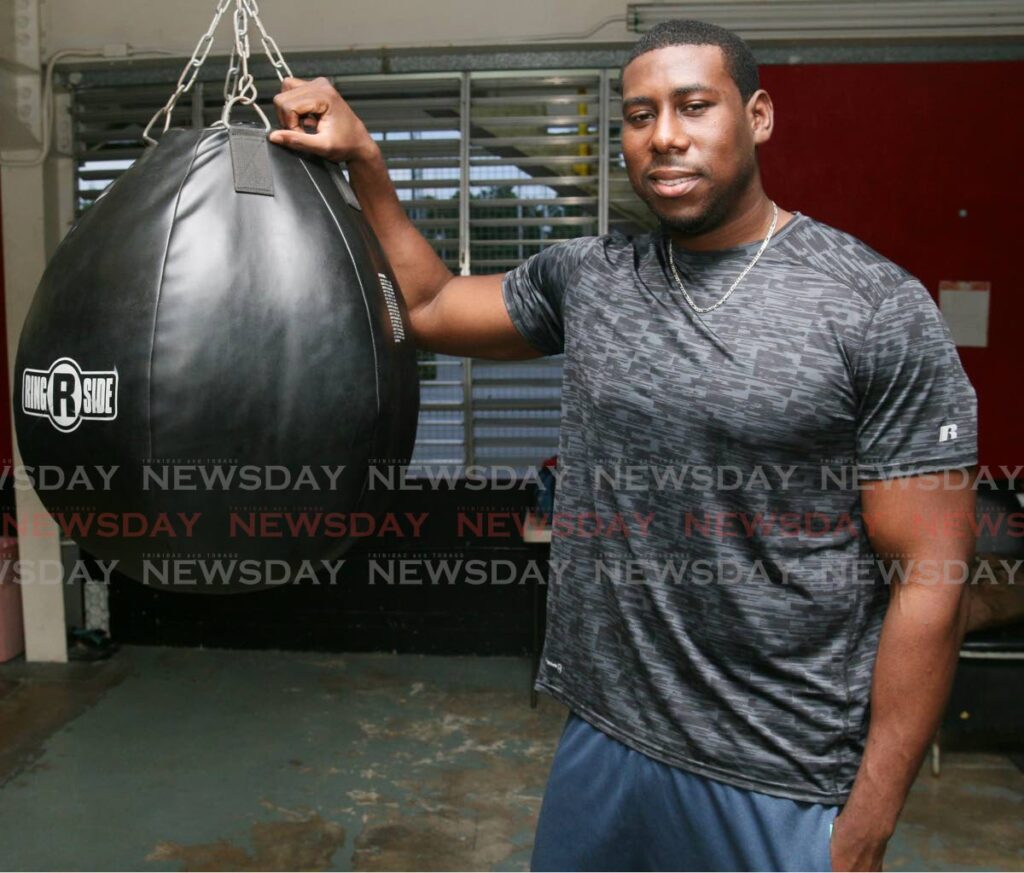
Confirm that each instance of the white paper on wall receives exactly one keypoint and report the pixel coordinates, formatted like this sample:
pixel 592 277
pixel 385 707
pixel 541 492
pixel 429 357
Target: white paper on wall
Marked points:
pixel 965 306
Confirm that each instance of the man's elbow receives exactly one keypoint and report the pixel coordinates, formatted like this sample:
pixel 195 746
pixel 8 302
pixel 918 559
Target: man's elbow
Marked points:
pixel 933 591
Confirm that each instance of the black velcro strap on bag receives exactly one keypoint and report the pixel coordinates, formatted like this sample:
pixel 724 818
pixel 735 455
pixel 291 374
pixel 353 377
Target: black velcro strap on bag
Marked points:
pixel 250 160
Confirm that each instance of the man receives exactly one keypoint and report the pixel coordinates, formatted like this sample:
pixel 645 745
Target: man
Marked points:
pixel 739 669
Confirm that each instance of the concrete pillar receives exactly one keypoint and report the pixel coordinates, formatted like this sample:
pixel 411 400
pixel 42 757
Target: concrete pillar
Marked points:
pixel 26 230
pixel 24 241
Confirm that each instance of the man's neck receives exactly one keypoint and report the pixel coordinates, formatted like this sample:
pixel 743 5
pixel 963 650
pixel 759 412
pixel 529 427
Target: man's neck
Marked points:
pixel 748 225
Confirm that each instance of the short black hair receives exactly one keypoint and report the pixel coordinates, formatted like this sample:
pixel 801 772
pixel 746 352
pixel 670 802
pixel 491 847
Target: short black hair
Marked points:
pixel 739 60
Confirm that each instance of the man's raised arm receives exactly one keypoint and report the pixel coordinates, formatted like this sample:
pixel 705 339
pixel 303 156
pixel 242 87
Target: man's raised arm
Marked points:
pixel 456 315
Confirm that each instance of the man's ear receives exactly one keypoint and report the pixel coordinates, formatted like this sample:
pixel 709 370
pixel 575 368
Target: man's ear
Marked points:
pixel 761 114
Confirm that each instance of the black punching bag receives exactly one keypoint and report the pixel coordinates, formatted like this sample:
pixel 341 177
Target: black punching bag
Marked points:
pixel 222 328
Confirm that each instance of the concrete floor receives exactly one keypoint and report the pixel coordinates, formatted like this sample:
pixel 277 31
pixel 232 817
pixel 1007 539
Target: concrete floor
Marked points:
pixel 183 759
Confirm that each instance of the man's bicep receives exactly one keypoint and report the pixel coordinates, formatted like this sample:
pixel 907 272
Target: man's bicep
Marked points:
pixel 469 317
pixel 922 533
pixel 927 517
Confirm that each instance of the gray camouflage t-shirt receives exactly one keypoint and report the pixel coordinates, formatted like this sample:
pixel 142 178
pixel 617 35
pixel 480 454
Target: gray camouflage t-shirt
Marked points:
pixel 714 600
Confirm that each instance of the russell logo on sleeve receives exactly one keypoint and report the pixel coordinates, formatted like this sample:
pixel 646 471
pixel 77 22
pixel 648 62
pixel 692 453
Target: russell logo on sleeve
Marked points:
pixel 947 433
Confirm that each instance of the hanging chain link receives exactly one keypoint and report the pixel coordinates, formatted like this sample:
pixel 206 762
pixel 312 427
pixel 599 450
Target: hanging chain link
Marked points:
pixel 239 84
pixel 188 75
pixel 231 77
pixel 244 90
pixel 244 85
pixel 269 45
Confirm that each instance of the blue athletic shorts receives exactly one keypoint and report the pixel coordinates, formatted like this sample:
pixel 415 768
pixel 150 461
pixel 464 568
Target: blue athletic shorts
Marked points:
pixel 609 807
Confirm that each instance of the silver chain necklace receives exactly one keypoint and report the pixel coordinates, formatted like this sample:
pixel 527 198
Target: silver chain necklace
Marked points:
pixel 675 273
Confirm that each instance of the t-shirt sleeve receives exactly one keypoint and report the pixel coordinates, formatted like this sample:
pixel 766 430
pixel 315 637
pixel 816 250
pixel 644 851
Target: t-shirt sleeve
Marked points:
pixel 535 292
pixel 918 411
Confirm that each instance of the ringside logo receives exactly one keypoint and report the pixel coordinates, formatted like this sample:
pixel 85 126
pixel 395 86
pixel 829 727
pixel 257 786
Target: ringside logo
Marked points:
pixel 68 395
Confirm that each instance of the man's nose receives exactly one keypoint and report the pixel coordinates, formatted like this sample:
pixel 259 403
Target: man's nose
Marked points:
pixel 670 134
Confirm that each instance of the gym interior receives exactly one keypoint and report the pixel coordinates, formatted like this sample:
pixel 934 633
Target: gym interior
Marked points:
pixel 374 708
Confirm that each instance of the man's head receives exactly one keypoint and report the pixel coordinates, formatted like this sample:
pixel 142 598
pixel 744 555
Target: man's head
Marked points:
pixel 693 115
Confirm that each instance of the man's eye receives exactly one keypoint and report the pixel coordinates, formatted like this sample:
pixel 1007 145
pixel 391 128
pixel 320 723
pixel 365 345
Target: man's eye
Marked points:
pixel 639 117
pixel 695 107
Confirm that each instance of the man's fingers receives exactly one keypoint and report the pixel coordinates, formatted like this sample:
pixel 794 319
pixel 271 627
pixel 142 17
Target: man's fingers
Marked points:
pixel 301 106
pixel 291 107
pixel 285 115
pixel 295 140
pixel 287 118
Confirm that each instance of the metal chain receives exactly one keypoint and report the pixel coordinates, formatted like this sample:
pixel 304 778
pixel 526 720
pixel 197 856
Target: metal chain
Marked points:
pixel 245 86
pixel 239 84
pixel 188 75
pixel 269 45
pixel 675 273
pixel 231 77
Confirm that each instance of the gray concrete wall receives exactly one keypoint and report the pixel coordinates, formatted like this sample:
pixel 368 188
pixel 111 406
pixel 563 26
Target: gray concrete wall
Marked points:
pixel 330 24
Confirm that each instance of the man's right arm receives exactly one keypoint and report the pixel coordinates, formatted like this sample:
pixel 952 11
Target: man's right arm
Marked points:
pixel 455 315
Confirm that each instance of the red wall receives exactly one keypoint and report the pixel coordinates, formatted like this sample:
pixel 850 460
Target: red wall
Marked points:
pixel 891 153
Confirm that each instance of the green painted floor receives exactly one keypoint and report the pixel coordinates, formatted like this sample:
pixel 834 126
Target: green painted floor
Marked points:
pixel 185 759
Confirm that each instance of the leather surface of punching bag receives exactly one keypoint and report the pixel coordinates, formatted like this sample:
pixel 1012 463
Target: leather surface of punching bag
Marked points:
pixel 222 328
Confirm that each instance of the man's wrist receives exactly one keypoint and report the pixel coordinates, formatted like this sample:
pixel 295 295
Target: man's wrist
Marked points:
pixel 867 825
pixel 367 153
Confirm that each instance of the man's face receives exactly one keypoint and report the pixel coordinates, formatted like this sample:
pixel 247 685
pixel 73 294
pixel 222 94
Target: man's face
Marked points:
pixel 687 137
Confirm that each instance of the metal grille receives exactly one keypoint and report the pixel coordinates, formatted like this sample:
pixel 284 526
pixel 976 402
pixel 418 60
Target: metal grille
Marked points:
pixel 490 167
pixel 534 180
pixel 417 122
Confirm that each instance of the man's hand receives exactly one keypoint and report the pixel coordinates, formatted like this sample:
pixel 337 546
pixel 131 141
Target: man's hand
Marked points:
pixel 855 846
pixel 339 135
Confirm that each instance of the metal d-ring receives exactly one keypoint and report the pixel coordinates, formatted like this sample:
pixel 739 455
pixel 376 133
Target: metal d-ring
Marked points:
pixel 225 117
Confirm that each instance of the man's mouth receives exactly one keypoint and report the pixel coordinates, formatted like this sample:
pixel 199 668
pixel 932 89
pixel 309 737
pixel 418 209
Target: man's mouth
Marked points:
pixel 672 183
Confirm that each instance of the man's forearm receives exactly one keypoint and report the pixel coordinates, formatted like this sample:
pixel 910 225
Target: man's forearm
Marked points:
pixel 420 272
pixel 916 661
